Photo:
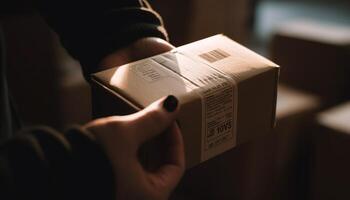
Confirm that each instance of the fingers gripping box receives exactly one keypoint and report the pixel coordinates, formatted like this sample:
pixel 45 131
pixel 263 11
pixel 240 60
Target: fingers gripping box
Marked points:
pixel 227 93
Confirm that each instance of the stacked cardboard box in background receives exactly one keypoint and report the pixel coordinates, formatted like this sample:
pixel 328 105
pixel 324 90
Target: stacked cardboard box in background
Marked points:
pixel 330 162
pixel 315 58
pixel 295 116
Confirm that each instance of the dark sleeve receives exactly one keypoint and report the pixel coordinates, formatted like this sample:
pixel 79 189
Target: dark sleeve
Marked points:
pixel 43 164
pixel 90 30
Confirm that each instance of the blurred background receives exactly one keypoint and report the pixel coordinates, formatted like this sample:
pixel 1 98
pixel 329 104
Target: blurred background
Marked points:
pixel 307 156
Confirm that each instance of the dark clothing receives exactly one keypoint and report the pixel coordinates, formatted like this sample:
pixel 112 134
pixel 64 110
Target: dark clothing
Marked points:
pixel 6 114
pixel 40 163
pixel 89 30
pixel 44 164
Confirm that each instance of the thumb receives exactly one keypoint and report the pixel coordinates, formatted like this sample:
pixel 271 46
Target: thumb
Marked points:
pixel 156 118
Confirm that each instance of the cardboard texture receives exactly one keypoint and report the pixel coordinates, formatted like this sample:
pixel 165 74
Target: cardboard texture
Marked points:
pixel 330 156
pixel 272 167
pixel 227 93
pixel 315 58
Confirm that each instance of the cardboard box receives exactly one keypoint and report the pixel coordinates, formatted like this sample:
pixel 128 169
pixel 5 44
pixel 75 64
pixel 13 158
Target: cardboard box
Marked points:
pixel 330 154
pixel 295 116
pixel 229 17
pixel 315 58
pixel 227 93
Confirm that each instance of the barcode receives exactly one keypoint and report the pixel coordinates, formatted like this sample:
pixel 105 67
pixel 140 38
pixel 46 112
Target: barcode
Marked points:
pixel 214 55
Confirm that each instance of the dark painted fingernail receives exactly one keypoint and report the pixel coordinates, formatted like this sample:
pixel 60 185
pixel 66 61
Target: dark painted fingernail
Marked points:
pixel 170 103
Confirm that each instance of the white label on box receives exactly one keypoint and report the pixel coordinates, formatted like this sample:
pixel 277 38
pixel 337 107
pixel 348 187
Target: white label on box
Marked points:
pixel 218 92
pixel 218 118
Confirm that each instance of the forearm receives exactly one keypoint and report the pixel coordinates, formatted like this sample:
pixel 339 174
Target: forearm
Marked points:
pixel 44 164
pixel 91 30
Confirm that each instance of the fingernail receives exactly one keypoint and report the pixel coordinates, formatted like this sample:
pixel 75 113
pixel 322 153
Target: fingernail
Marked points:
pixel 170 103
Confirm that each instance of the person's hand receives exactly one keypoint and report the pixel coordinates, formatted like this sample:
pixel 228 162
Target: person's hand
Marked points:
pixel 142 48
pixel 121 138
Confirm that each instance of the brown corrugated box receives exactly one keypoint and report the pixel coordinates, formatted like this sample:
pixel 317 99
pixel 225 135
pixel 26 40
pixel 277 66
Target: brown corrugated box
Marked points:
pixel 330 155
pixel 295 118
pixel 315 58
pixel 229 88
